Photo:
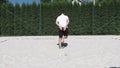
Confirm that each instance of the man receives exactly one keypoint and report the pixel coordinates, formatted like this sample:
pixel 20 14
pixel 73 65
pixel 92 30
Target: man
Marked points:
pixel 62 22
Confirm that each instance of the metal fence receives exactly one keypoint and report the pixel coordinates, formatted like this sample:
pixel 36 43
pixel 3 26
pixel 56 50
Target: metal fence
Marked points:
pixel 39 19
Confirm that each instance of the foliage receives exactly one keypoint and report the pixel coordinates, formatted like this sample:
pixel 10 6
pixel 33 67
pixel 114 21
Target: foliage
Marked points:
pixel 44 1
pixel 39 19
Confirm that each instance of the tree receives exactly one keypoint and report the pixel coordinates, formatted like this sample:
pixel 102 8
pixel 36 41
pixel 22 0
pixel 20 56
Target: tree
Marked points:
pixel 108 1
pixel 48 1
pixel 100 2
pixel 45 1
pixel 59 0
pixel 3 1
pixel 17 19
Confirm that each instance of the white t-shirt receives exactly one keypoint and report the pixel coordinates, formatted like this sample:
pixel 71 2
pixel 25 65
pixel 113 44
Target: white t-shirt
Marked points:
pixel 62 19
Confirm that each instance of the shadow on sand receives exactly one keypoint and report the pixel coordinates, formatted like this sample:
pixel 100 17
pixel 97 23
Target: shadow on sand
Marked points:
pixel 63 45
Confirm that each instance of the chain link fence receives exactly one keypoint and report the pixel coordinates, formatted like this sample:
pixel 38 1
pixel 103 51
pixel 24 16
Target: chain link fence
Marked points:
pixel 39 19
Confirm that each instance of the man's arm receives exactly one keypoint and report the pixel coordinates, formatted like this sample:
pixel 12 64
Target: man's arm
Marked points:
pixel 57 23
pixel 67 22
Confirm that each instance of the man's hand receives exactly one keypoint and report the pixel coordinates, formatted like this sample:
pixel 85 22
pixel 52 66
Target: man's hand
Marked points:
pixel 60 27
pixel 65 28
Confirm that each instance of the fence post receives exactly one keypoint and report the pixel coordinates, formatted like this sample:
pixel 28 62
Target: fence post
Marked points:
pixel 40 22
pixel 92 31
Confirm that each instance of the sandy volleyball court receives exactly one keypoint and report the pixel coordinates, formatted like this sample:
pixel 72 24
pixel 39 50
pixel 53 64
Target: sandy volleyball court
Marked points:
pixel 43 52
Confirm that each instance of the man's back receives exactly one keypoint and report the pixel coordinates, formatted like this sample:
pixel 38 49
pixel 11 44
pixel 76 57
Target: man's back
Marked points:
pixel 62 19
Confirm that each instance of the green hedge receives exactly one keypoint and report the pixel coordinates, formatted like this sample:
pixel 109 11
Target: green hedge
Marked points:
pixel 39 19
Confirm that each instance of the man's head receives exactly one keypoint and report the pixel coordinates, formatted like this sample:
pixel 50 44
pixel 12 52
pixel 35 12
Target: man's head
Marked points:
pixel 62 12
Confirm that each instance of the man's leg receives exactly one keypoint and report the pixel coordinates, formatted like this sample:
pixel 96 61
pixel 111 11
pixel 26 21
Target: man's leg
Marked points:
pixel 60 38
pixel 65 37
pixel 60 42
pixel 66 33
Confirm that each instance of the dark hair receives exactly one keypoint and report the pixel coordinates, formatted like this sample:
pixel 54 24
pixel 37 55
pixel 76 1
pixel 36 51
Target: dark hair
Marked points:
pixel 62 11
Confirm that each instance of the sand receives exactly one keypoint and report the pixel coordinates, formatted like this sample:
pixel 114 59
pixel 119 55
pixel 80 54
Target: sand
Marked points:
pixel 43 52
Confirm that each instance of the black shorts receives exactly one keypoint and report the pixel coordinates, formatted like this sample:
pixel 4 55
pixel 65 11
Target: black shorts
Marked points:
pixel 63 33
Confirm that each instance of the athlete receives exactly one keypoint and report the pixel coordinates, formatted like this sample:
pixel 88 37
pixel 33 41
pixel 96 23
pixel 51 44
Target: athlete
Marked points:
pixel 62 22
